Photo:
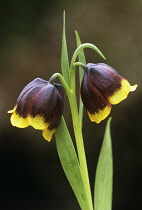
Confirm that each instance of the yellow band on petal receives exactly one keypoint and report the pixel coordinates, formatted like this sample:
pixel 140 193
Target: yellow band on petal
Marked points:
pixel 18 121
pixel 101 115
pixel 120 94
pixel 37 122
pixel 47 134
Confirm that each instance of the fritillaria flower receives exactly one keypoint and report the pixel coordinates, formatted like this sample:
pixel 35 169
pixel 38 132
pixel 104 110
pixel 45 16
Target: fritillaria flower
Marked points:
pixel 101 88
pixel 39 105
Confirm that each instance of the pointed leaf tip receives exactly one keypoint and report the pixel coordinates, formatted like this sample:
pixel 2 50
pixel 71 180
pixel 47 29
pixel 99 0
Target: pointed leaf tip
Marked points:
pixel 64 54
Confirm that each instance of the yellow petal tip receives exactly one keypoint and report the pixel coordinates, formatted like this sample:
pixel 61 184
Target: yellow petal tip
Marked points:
pixel 10 111
pixel 133 88
pixel 47 134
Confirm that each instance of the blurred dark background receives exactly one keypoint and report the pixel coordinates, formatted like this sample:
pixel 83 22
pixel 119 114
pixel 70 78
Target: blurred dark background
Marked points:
pixel 31 177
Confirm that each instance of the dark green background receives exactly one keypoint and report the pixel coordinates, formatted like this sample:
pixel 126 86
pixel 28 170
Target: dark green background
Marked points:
pixel 31 177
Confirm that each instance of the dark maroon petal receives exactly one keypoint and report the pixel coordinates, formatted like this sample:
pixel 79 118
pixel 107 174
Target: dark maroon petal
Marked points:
pixel 105 79
pixel 91 97
pixel 26 101
pixel 37 81
pixel 59 88
pixel 58 109
pixel 44 104
pixel 49 104
pixel 102 66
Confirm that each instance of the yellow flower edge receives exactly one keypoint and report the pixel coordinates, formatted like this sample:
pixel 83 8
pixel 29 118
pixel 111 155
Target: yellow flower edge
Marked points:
pixel 99 116
pixel 122 93
pixel 47 134
pixel 18 121
pixel 36 122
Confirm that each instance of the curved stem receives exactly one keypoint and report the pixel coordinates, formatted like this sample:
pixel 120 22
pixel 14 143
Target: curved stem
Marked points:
pixel 80 64
pixel 62 80
pixel 81 47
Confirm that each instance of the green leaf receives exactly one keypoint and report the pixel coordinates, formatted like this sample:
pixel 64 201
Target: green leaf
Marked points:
pixel 70 164
pixel 81 56
pixel 104 174
pixel 64 55
pixel 81 59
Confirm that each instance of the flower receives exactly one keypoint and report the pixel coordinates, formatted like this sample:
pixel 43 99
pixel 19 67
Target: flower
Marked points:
pixel 40 105
pixel 101 88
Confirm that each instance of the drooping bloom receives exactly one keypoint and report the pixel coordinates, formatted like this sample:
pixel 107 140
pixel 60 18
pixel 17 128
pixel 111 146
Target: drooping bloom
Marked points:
pixel 39 105
pixel 101 88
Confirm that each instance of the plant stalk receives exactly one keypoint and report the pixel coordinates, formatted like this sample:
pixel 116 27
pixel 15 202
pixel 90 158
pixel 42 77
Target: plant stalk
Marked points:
pixel 79 138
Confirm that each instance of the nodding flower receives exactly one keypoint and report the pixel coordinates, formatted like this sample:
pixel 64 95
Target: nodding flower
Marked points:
pixel 101 88
pixel 39 105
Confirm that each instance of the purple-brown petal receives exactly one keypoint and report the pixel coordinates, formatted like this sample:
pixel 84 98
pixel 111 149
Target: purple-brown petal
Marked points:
pixel 48 103
pixel 25 103
pixel 58 110
pixel 105 79
pixel 91 97
pixel 37 81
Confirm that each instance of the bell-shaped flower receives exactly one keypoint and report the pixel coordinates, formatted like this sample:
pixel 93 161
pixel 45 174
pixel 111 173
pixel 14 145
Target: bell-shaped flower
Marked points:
pixel 101 88
pixel 39 105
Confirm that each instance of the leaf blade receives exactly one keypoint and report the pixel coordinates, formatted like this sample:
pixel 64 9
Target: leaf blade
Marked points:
pixel 70 164
pixel 81 56
pixel 64 55
pixel 104 174
pixel 81 59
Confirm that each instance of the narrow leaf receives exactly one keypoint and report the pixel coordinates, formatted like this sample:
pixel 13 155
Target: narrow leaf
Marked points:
pixel 81 56
pixel 81 59
pixel 64 54
pixel 70 164
pixel 104 174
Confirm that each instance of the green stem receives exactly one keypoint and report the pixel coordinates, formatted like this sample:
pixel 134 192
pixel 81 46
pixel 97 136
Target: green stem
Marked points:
pixel 80 64
pixel 62 80
pixel 81 47
pixel 79 138
pixel 80 146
